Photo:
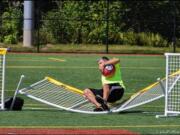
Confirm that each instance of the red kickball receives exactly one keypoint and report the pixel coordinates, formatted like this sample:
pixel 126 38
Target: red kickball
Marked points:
pixel 108 70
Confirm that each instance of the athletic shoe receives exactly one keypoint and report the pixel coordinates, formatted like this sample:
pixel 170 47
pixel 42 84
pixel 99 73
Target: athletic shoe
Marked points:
pixel 99 109
pixel 102 102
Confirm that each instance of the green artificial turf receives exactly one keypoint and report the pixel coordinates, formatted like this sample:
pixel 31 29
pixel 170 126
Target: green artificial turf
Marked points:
pixel 80 70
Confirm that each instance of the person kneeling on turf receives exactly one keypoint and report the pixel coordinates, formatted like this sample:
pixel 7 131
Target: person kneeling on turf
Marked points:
pixel 112 85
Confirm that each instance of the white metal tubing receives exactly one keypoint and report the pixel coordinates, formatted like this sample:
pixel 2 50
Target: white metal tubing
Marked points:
pixel 169 88
pixel 127 105
pixel 172 54
pixel 48 93
pixel 3 81
pixel 24 89
pixel 167 75
pixel 133 106
pixel 174 83
pixel 43 84
pixel 162 86
pixel 16 92
pixel 64 108
pixel 80 103
pixel 45 88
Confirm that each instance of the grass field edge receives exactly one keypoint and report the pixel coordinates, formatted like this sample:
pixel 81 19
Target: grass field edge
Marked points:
pixel 96 127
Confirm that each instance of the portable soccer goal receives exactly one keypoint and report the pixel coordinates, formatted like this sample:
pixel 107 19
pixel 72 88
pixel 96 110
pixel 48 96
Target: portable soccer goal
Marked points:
pixel 2 76
pixel 172 93
pixel 63 96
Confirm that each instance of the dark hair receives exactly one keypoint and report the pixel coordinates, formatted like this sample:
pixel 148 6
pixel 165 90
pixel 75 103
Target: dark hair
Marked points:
pixel 105 58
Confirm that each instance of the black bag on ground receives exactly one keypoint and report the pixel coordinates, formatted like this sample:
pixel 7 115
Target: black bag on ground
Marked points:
pixel 18 104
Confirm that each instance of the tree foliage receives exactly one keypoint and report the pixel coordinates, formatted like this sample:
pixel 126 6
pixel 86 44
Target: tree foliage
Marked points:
pixel 11 26
pixel 136 22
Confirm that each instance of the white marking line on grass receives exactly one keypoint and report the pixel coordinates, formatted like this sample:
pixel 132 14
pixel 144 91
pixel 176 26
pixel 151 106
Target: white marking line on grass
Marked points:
pixel 91 127
pixel 55 59
pixel 77 67
pixel 39 60
pixel 152 68
pixel 50 67
pixel 27 60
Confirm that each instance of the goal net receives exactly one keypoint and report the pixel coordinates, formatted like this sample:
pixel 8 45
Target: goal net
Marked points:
pixel 172 95
pixel 2 76
pixel 63 96
pixel 149 94
pixel 59 95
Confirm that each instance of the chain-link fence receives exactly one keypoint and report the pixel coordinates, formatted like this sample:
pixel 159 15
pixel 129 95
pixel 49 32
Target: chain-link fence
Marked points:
pixel 100 23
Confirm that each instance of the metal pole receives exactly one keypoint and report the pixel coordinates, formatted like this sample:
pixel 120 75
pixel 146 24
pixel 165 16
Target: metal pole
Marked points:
pixel 28 23
pixel 107 26
pixel 174 27
pixel 37 25
pixel 16 92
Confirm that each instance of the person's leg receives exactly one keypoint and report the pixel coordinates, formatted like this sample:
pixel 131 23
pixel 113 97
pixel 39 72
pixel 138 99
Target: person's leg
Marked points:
pixel 95 97
pixel 106 91
pixel 103 103
pixel 116 93
pixel 91 97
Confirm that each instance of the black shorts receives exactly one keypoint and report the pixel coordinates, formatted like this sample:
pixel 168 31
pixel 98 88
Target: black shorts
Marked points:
pixel 116 92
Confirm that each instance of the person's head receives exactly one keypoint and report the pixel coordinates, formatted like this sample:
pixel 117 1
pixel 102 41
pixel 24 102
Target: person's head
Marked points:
pixel 101 62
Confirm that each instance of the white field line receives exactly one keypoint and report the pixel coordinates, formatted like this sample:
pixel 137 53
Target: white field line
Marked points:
pixel 57 59
pixel 78 67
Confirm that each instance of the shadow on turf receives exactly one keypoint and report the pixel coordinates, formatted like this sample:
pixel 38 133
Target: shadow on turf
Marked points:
pixel 140 112
pixel 131 112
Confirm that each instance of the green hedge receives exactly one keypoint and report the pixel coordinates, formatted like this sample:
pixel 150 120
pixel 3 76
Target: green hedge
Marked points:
pixel 53 27
pixel 11 27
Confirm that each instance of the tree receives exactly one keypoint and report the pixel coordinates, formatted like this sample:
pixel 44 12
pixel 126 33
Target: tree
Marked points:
pixel 11 24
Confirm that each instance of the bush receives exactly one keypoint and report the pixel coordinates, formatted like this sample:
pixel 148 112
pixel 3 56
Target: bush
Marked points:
pixel 142 39
pixel 129 38
pixel 44 37
pixel 10 39
pixel 151 39
pixel 11 26
pixel 97 35
pixel 54 29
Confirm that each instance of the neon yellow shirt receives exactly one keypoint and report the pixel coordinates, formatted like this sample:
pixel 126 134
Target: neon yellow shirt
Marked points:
pixel 116 78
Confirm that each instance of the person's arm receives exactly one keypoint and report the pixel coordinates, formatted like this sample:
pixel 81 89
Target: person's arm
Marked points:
pixel 112 61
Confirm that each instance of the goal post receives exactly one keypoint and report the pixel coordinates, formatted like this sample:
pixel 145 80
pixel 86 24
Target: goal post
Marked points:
pixel 2 76
pixel 172 97
pixel 172 89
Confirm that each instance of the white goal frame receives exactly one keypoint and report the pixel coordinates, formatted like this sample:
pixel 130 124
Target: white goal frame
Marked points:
pixel 172 89
pixel 2 76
